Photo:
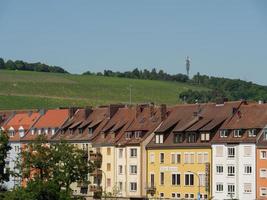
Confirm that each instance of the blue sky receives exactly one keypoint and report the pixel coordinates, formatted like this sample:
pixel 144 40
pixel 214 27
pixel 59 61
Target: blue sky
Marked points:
pixel 223 38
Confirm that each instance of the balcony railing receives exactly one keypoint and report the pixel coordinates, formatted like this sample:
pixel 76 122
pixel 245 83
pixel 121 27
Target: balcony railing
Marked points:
pixel 96 173
pixel 95 188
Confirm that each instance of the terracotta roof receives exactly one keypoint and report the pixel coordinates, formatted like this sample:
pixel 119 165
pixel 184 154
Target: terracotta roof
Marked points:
pixel 25 120
pixel 147 120
pixel 115 127
pixel 50 121
pixel 194 118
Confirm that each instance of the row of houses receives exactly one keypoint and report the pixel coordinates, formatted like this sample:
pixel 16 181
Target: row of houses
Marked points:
pixel 147 151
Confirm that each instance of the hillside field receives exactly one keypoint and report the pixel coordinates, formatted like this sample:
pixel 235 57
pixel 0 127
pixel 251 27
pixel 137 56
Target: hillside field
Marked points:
pixel 26 89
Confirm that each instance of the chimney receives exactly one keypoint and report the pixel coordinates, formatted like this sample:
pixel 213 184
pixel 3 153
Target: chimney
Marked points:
pixel 42 111
pixel 234 110
pixel 163 111
pixel 72 111
pixel 29 113
pixel 113 108
pixel 87 112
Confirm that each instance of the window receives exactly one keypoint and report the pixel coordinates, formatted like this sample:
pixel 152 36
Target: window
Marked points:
pixel 108 151
pixel 189 158
pixel 231 152
pixel 133 169
pixel 120 153
pixel 90 130
pixel 159 138
pixel 189 179
pixel 133 152
pixel 231 170
pixel 263 192
pixel 108 182
pixel 252 133
pixel 202 179
pixel 202 158
pixel 219 151
pixel 133 186
pixel 219 187
pixel 84 190
pixel 265 134
pixel 263 173
pixel 161 195
pixel 248 169
pixel 263 155
pixel 152 180
pixel 175 158
pixel 231 189
pixel 237 133
pixel 219 169
pixel 138 134
pixel 247 151
pixel 223 133
pixel 161 157
pixel 11 132
pixel 186 196
pixel 178 138
pixel 191 138
pixel 128 135
pixel 247 188
pixel 173 195
pixel 205 137
pixel 176 179
pixel 108 166
pixel 152 157
pixel 120 169
pixel 120 186
pixel 192 196
pixel 161 178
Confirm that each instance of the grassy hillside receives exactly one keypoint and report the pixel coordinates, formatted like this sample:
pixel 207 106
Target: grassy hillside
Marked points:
pixel 24 89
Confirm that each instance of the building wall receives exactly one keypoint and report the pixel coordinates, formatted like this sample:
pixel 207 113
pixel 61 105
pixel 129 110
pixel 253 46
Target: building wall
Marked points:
pixel 121 178
pixel 181 168
pixel 261 182
pixel 133 178
pixel 240 178
pixel 108 168
pixel 11 161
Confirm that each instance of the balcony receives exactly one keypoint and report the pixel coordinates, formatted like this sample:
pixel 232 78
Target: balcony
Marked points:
pixel 96 173
pixel 95 157
pixel 151 190
pixel 95 188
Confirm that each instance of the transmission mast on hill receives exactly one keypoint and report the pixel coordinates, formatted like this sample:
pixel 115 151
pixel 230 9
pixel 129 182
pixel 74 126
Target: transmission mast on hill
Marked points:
pixel 187 65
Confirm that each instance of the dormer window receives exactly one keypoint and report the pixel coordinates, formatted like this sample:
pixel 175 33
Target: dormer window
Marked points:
pixel 80 130
pixel 138 134
pixel 21 132
pixel 159 138
pixel 178 138
pixel 90 130
pixel 46 131
pixel 53 131
pixel 265 134
pixel 128 135
pixel 205 137
pixel 39 131
pixel 191 138
pixel 11 132
pixel 237 133
pixel 223 133
pixel 252 133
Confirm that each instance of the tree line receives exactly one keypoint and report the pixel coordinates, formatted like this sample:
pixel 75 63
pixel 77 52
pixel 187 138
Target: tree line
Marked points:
pixel 22 65
pixel 143 74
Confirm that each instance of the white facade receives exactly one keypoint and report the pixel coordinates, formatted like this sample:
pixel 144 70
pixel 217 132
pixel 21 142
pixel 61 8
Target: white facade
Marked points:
pixel 233 171
pixel 11 159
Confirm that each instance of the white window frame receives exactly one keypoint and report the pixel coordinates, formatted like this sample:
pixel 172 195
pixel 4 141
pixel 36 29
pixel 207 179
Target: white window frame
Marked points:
pixel 223 133
pixel 252 133
pixel 231 156
pixel 189 179
pixel 219 167
pixel 231 192
pixel 232 171
pixel 261 155
pixel 261 191
pixel 133 189
pixel 133 169
pixel 219 186
pixel 247 191
pixel 133 152
pixel 237 133
pixel 248 169
pixel 152 158
pixel 160 161
pixel 175 174
pixel 261 175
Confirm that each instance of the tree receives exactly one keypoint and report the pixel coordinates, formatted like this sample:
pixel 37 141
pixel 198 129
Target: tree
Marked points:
pixel 10 65
pixel 61 163
pixel 4 148
pixel 2 63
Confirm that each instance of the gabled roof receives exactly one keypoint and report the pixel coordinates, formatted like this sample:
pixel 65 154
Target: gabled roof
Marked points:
pixel 51 119
pixel 25 120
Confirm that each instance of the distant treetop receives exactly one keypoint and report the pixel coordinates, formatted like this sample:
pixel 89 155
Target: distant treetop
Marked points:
pixel 25 66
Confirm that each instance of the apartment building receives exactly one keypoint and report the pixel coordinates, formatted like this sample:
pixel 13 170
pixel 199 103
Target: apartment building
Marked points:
pixel 179 155
pixel 234 153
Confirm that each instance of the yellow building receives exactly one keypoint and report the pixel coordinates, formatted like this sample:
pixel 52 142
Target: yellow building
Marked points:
pixel 179 155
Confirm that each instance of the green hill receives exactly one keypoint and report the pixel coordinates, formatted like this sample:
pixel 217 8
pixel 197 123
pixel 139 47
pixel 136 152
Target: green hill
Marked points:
pixel 26 89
